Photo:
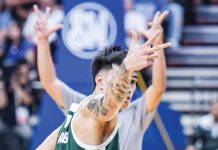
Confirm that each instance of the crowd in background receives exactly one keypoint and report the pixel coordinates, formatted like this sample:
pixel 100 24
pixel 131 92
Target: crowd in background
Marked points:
pixel 205 135
pixel 20 89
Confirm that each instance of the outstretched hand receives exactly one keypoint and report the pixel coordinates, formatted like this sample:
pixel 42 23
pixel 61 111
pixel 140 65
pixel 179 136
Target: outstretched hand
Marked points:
pixel 42 28
pixel 141 56
pixel 156 25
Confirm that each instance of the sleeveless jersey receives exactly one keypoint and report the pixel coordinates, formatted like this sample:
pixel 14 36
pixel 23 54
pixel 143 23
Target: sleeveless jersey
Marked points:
pixel 67 139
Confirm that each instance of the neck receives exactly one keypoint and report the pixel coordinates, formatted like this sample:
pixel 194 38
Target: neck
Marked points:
pixel 97 91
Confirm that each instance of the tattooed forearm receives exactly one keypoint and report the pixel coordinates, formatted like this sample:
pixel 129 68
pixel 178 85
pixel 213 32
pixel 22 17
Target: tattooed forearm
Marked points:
pixel 117 94
pixel 119 86
pixel 96 105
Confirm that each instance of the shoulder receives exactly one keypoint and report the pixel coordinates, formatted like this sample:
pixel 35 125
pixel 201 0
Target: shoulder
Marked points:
pixel 74 107
pixel 83 104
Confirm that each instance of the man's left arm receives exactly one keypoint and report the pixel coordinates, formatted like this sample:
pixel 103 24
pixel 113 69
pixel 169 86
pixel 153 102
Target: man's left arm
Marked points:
pixel 159 81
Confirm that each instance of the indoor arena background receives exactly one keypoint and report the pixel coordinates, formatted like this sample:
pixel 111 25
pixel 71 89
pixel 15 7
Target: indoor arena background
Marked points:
pixel 183 118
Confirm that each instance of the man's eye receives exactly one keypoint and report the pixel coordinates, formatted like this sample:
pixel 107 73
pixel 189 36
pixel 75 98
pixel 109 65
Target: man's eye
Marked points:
pixel 133 82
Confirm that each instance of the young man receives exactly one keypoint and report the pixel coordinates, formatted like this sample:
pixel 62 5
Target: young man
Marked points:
pixel 115 84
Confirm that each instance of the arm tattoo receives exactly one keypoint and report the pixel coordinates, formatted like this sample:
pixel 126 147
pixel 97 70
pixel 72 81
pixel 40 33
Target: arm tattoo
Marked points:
pixel 119 86
pixel 96 106
pixel 118 91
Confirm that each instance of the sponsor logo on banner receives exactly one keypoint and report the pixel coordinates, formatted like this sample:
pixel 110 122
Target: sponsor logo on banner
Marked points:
pixel 88 28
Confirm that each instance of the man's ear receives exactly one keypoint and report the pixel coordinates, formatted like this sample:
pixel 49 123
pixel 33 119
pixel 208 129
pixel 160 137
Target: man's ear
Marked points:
pixel 99 81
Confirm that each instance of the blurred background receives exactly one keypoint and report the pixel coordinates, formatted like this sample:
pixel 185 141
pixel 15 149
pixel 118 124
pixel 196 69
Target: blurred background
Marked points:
pixel 188 113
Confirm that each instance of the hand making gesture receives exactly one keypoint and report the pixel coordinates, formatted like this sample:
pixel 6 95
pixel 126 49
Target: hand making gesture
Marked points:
pixel 156 25
pixel 141 56
pixel 42 29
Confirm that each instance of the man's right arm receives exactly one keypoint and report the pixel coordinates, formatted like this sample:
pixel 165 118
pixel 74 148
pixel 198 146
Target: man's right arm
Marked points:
pixel 56 89
pixel 47 72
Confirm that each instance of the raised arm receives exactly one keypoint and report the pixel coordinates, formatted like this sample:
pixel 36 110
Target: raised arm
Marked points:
pixel 139 56
pixel 159 81
pixel 45 64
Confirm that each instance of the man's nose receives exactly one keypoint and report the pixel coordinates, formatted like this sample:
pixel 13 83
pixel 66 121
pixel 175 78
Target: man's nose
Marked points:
pixel 129 91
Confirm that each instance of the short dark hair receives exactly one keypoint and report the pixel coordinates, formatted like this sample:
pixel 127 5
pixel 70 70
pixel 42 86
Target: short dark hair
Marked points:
pixel 20 62
pixel 105 59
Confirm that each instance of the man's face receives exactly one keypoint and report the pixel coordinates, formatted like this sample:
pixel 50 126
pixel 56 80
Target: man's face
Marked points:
pixel 107 76
pixel 23 74
pixel 14 32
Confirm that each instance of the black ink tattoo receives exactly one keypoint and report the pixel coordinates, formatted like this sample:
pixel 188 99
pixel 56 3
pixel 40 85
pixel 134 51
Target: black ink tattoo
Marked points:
pixel 117 92
pixel 119 86
pixel 96 106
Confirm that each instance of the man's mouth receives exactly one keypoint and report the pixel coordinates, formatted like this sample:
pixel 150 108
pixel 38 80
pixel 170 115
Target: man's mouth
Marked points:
pixel 128 100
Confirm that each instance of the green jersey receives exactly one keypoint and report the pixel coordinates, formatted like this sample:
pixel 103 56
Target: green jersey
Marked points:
pixel 67 140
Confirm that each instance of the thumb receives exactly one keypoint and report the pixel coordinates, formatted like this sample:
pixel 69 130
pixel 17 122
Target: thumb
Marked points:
pixel 55 28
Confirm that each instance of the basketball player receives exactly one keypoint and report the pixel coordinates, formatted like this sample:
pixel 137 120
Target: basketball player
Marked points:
pixel 115 84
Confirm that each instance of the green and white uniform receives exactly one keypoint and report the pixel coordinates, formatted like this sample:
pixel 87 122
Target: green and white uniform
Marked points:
pixel 67 140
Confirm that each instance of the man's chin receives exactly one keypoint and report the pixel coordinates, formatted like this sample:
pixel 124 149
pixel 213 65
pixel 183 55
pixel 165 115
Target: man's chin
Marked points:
pixel 125 105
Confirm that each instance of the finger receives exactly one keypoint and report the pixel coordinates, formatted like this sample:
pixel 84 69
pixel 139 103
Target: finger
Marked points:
pixel 39 21
pixel 37 28
pixel 150 23
pixel 144 33
pixel 159 47
pixel 150 62
pixel 55 28
pixel 149 53
pixel 133 38
pixel 152 39
pixel 163 16
pixel 37 11
pixel 151 57
pixel 142 63
pixel 40 24
pixel 47 12
pixel 156 16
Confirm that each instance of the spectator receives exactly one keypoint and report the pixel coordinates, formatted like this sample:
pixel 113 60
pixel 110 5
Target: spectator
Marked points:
pixel 7 122
pixel 5 18
pixel 19 95
pixel 5 15
pixel 133 20
pixel 17 47
pixel 22 93
pixel 7 116
pixel 205 135
pixel 21 85
pixel 19 9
